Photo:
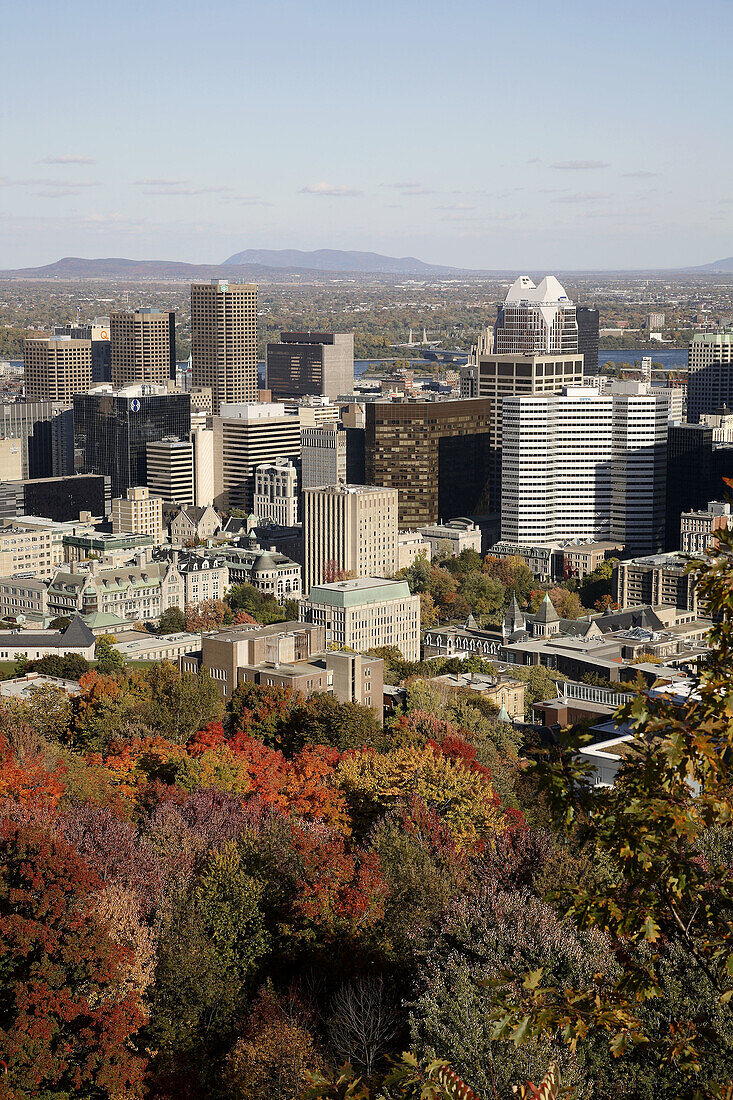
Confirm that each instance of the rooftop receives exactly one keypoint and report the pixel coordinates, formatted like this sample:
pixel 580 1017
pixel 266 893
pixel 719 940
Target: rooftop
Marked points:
pixel 362 590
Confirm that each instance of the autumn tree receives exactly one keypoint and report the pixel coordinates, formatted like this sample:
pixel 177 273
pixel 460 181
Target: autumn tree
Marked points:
pixel 65 1022
pixel 205 615
pixel 109 660
pixel 176 703
pixel 274 1054
pixel 172 621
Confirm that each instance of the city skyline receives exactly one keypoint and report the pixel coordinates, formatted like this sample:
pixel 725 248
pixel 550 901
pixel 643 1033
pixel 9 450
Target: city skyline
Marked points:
pixel 473 136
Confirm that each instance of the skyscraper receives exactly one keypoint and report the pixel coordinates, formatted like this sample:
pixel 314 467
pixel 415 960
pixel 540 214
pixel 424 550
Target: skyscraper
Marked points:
pixel 56 368
pixel 581 464
pixel 323 455
pixel 224 341
pixel 588 337
pixel 710 373
pixel 143 347
pixel 311 363
pixel 98 332
pixel 536 320
pixel 436 453
pixel 244 437
pixel 46 432
pixel 352 528
pixel 112 429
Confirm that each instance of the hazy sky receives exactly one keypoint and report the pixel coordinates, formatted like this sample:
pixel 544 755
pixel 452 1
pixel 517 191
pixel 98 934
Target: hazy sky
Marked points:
pixel 540 135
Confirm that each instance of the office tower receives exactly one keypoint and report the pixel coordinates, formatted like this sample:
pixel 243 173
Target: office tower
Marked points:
pixel 710 373
pixel 169 464
pixel 655 322
pixel 112 429
pixel 690 477
pixel 536 320
pixel 349 529
pixel 585 465
pixel 224 341
pixel 244 437
pixel 323 455
pixel 61 499
pixel 56 368
pixel 143 347
pixel 202 441
pixel 588 338
pixel 311 363
pixel 98 332
pixel 276 492
pixel 138 513
pixel 698 529
pixel 45 430
pixel 366 613
pixel 436 453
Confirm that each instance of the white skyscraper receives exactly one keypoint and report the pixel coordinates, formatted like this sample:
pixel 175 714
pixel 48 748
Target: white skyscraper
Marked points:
pixel 584 465
pixel 536 320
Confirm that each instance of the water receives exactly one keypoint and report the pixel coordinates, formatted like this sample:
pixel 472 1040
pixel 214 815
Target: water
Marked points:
pixel 669 357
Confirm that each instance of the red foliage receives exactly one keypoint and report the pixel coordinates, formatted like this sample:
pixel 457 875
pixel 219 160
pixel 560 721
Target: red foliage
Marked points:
pixel 459 751
pixel 30 783
pixel 68 1026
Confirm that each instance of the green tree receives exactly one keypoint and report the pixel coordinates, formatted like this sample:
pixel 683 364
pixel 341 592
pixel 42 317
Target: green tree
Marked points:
pixel 667 901
pixel 109 659
pixel 322 720
pixel 176 704
pixel 172 621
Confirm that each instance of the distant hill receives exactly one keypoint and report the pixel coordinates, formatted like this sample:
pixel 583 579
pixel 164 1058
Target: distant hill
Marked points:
pixel 75 267
pixel 719 267
pixel 332 259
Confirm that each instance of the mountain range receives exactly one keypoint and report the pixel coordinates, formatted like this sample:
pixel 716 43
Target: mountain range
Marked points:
pixel 332 259
pixel 719 267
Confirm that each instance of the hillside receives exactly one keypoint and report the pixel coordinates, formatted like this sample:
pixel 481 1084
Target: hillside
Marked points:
pixel 718 267
pixel 331 259
pixel 76 267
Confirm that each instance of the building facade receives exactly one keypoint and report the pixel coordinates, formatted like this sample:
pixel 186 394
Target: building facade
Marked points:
pixel 323 455
pixel 536 320
pixel 276 492
pixel 349 529
pixel 112 429
pixel 169 465
pixel 138 513
pixel 143 347
pixel 588 338
pixel 45 430
pixel 311 363
pixel 452 537
pixel 366 613
pixel 98 332
pixel 710 373
pixel 56 368
pixel 698 529
pixel 246 436
pixel 656 579
pixel 435 453
pixel 224 341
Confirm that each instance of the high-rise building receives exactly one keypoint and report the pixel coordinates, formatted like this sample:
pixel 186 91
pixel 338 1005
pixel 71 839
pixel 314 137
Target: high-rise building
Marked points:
pixel 202 441
pixel 349 529
pixel 366 613
pixel 588 338
pixel 710 373
pixel 61 499
pixel 224 341
pixel 244 437
pixel 169 464
pixel 585 465
pixel 436 453
pixel 690 479
pixel 536 320
pixel 311 363
pixel 494 377
pixel 276 492
pixel 112 428
pixel 138 513
pixel 98 332
pixel 45 430
pixel 143 347
pixel 56 368
pixel 655 322
pixel 323 455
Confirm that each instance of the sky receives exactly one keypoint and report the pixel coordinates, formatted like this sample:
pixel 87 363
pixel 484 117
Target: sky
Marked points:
pixel 547 136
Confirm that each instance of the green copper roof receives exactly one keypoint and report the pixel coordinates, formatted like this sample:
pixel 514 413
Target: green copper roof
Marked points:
pixel 360 591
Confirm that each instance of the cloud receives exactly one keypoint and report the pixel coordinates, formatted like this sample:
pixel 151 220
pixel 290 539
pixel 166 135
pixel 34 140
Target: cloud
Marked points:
pixel 174 190
pixel 330 189
pixel 67 158
pixel 583 196
pixel 159 183
pixel 58 194
pixel 410 188
pixel 640 174
pixel 457 206
pixel 63 184
pixel 580 165
pixel 247 200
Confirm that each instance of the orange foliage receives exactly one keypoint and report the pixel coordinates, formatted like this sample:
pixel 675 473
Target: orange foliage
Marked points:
pixel 29 782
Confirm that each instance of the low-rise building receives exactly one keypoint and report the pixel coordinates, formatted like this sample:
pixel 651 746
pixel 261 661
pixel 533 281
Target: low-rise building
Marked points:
pixel 269 571
pixel 194 523
pixel 366 613
pixel 656 579
pixel 452 537
pixel 30 547
pixel 290 654
pixel 581 558
pixel 34 644
pixel 23 598
pixel 108 549
pixel 412 545
pixel 544 562
pixel 138 513
pixel 130 592
pixel 135 646
pixel 24 687
pixel 697 529
pixel 502 691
